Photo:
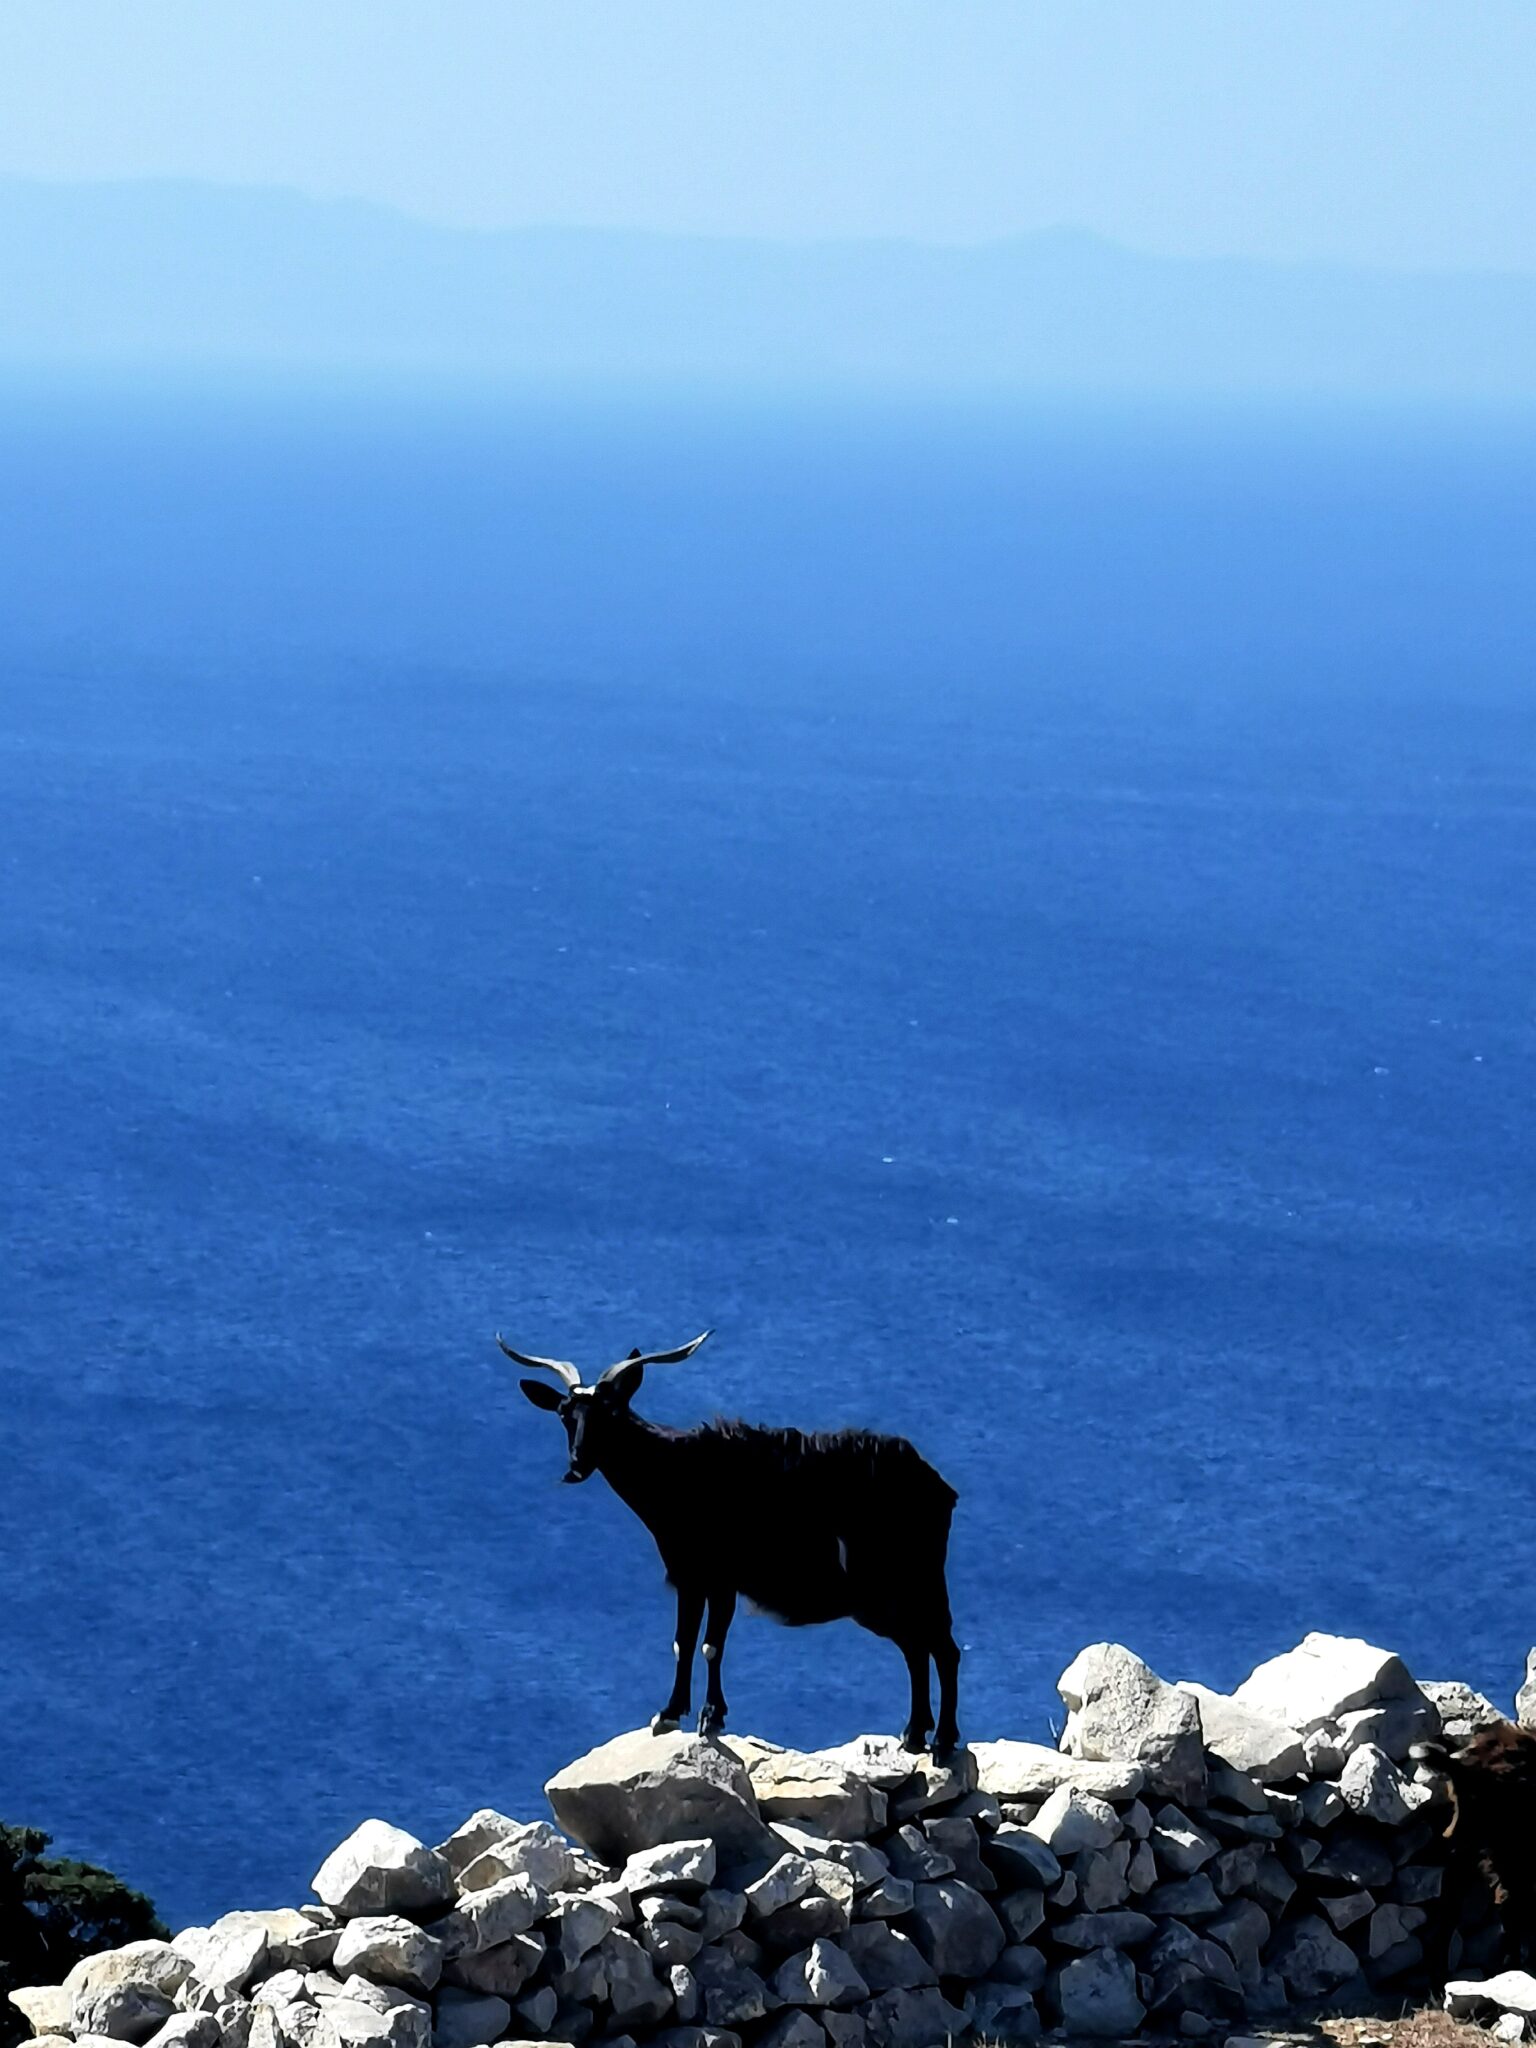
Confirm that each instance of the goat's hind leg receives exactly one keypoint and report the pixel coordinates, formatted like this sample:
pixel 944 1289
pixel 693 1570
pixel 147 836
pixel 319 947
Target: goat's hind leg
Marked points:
pixel 722 1607
pixel 690 1612
pixel 915 1735
pixel 946 1662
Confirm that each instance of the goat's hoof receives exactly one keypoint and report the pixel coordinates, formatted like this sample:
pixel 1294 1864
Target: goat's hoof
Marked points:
pixel 914 1738
pixel 711 1721
pixel 946 1745
pixel 665 1724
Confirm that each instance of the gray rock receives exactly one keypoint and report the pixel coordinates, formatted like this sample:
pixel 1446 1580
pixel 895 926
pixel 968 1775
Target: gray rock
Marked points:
pixel 636 1996
pixel 124 2011
pixel 1064 1895
pixel 1392 1926
pixel 387 1949
pixel 813 1918
pixel 381 1869
pixel 1071 1820
pixel 1273 1885
pixel 914 1857
pixel 365 2015
pixel 694 2037
pixel 823 1974
pixel 1284 1806
pixel 1119 1709
pixel 843 2029
pixel 1353 1858
pixel 684 1867
pixel 687 2001
pixel 485 1919
pixel 1346 1908
pixel 1509 1991
pixel 788 1879
pixel 817 1789
pixel 158 1964
pixel 913 1784
pixel 187 2030
pixel 1103 1880
pixel 1020 1857
pixel 1184 1898
pixel 500 1972
pixel 1242 1929
pixel 1311 1958
pixel 46 2008
pixel 1321 1805
pixel 1463 1712
pixel 1004 2012
pixel 1373 1787
pixel 721 1911
pixel 887 1900
pixel 733 1995
pixel 538 1852
pixel 1096 1996
pixel 887 1959
pixel 1234 1870
pixel 1417 1883
pixel 864 1864
pixel 669 1943
pixel 1210 1959
pixel 913 2019
pixel 1393 1727
pixel 1525 1698
pixel 955 1928
pixel 1322 1678
pixel 1104 1930
pixel 792 2029
pixel 1180 1845
pixel 1236 1789
pixel 468 2019
pixel 299 2024
pixel 225 1957
pixel 642 1789
pixel 1022 1914
pixel 1029 1772
pixel 960 1841
pixel 1141 1871
pixel 576 1923
pixel 1247 1740
pixel 537 2010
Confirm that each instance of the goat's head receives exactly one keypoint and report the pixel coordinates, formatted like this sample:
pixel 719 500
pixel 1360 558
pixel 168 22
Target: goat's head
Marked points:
pixel 590 1412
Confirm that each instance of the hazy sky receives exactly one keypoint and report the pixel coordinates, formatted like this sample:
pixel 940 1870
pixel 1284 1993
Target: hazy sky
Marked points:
pixel 1390 131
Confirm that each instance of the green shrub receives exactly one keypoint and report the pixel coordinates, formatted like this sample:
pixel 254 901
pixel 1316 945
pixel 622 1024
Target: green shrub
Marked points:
pixel 53 1911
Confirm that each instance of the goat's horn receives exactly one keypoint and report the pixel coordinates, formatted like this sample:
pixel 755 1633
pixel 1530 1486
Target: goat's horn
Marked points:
pixel 557 1366
pixel 636 1358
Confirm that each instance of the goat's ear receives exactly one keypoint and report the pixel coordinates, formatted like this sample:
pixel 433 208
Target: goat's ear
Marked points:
pixel 626 1382
pixel 540 1395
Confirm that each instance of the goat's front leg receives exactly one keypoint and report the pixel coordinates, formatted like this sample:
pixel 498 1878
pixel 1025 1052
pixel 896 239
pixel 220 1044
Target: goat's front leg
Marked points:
pixel 690 1612
pixel 722 1607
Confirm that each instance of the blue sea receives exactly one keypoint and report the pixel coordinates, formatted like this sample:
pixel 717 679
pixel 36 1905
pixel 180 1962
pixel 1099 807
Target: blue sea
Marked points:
pixel 1020 919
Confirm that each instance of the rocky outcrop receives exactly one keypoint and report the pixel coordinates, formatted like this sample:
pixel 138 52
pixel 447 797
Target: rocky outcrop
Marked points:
pixel 1188 1861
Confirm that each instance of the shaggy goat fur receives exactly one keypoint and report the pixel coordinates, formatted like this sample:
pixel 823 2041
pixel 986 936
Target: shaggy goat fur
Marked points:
pixel 808 1528
pixel 1492 1830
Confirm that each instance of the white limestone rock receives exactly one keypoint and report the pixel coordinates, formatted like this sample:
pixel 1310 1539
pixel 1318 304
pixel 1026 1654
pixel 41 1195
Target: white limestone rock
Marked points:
pixel 815 1788
pixel 1119 1709
pixel 1258 1745
pixel 382 1869
pixel 1071 1820
pixel 1029 1772
pixel 642 1789
pixel 46 2008
pixel 1509 1991
pixel 1323 1678
pixel 1373 1788
pixel 687 1868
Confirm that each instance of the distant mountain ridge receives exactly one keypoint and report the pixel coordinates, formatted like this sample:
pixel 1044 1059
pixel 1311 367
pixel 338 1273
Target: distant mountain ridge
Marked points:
pixel 195 276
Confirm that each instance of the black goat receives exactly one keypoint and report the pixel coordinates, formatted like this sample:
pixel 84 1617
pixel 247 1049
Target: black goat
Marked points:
pixel 808 1528
pixel 1492 1831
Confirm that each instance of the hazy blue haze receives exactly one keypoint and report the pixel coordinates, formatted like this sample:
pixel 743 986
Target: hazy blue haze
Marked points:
pixel 1023 922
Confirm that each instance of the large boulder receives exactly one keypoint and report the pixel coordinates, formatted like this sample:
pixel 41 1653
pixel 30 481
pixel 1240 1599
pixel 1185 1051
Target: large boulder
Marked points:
pixel 1118 1709
pixel 1246 1740
pixel 381 1869
pixel 531 1849
pixel 641 1789
pixel 1311 1958
pixel 955 1928
pixel 1024 1773
pixel 1324 1678
pixel 46 2008
pixel 388 1949
pixel 1096 1996
pixel 815 1789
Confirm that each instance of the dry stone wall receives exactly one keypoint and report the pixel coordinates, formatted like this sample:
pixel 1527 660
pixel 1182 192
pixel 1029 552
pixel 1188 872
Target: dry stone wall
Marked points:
pixel 1185 1862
